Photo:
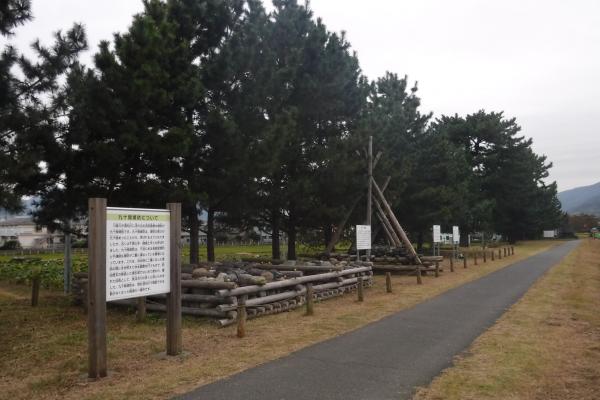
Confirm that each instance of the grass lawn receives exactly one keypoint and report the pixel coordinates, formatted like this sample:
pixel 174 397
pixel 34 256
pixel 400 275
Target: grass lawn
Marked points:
pixel 44 350
pixel 547 346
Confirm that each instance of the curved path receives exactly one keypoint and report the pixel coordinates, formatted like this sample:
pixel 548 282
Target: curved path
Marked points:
pixel 389 358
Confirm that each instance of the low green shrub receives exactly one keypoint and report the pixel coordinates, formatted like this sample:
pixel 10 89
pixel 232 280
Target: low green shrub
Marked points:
pixel 51 271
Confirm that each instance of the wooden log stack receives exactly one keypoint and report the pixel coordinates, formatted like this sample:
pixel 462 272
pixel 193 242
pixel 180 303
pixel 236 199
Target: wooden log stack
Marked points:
pixel 214 290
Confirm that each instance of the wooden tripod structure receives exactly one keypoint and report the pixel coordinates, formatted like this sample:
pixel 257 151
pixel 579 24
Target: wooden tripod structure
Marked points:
pixel 394 232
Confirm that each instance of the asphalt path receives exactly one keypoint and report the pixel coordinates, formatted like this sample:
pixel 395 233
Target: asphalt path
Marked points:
pixel 388 359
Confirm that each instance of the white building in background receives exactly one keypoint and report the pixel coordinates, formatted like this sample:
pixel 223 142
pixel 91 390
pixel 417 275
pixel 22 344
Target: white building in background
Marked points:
pixel 25 231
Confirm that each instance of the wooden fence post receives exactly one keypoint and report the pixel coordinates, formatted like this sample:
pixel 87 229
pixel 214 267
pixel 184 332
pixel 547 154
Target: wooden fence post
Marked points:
pixel 512 250
pixel 309 299
pixel 475 258
pixel 388 282
pixel 484 256
pixel 499 254
pixel 241 317
pixel 35 290
pixel 360 287
pixel 465 261
pixel 452 263
pixel 97 288
pixel 174 342
pixel 437 269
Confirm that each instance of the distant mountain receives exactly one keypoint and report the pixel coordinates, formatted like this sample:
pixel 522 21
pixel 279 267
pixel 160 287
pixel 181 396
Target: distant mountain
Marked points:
pixel 585 199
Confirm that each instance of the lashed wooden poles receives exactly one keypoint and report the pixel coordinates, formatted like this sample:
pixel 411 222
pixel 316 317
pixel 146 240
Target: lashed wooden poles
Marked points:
pixel 340 227
pixel 388 226
pixel 342 224
pixel 370 189
pixel 395 223
pixel 386 230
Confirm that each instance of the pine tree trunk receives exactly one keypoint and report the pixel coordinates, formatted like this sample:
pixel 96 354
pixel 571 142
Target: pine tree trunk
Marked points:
pixel 328 234
pixel 420 242
pixel 275 251
pixel 291 251
pixel 194 236
pixel 210 235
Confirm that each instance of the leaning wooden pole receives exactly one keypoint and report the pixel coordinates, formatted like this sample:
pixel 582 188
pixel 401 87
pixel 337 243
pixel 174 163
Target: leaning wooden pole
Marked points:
pixel 388 233
pixel 342 224
pixel 370 189
pixel 340 227
pixel 396 224
pixel 387 225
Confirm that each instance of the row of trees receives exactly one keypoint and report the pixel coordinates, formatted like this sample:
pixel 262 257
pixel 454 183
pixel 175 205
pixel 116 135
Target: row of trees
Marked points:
pixel 257 118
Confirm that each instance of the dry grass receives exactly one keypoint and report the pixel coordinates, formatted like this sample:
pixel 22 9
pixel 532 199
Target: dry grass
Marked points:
pixel 546 347
pixel 44 349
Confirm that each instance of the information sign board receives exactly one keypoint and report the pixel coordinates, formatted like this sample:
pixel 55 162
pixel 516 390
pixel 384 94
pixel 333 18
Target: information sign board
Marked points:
pixel 455 235
pixel 363 237
pixel 137 252
pixel 437 234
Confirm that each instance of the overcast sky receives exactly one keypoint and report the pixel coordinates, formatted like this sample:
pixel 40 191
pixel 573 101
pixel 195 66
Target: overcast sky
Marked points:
pixel 536 60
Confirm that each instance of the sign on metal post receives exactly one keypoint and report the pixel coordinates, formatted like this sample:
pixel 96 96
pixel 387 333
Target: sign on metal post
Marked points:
pixel 437 234
pixel 455 235
pixel 363 237
pixel 137 253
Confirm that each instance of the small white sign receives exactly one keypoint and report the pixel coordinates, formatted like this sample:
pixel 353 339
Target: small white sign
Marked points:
pixel 363 237
pixel 137 252
pixel 437 234
pixel 455 235
pixel 550 234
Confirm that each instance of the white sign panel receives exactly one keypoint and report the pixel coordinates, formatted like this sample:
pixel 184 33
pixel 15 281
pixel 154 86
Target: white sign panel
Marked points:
pixel 137 252
pixel 549 234
pixel 455 234
pixel 437 234
pixel 363 237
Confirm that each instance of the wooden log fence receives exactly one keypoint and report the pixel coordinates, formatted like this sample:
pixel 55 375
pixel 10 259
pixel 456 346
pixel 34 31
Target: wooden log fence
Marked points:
pixel 209 297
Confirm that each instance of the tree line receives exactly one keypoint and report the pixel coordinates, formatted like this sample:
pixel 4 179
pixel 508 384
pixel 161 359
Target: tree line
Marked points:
pixel 259 119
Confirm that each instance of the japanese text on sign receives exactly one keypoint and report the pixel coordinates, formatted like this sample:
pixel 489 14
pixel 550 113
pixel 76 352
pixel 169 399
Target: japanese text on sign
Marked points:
pixel 455 235
pixel 437 234
pixel 363 237
pixel 137 253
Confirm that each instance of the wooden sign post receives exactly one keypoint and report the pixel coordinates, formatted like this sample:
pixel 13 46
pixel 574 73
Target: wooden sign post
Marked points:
pixel 174 344
pixel 97 288
pixel 133 253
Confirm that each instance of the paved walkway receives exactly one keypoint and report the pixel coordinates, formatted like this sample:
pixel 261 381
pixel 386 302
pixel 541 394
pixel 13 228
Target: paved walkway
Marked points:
pixel 389 358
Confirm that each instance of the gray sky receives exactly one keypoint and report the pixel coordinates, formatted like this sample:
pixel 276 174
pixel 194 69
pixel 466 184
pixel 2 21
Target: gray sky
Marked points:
pixel 538 61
